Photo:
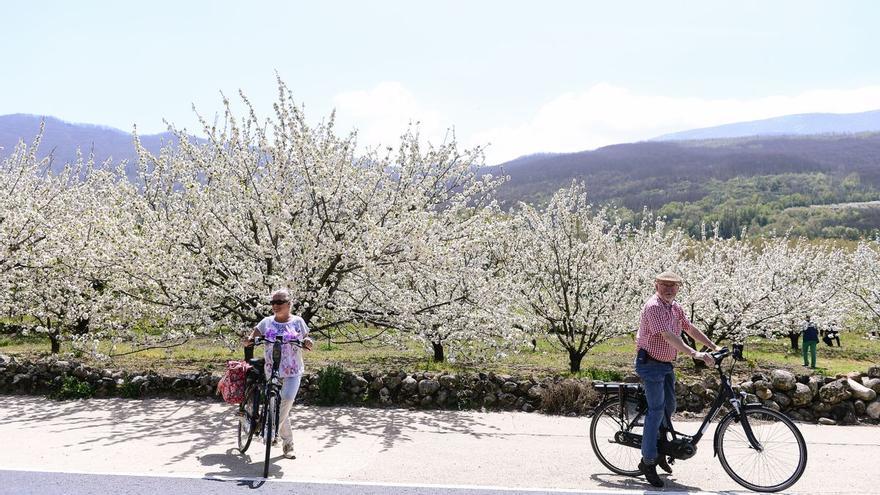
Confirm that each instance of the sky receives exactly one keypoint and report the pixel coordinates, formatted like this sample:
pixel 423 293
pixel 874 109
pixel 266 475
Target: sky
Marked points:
pixel 515 77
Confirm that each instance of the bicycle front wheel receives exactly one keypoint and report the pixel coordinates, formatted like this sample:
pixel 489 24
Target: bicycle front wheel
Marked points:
pixel 779 462
pixel 271 430
pixel 607 422
pixel 247 417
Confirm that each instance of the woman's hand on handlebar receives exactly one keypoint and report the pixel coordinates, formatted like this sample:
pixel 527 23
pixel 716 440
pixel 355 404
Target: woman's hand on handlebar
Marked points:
pixel 249 340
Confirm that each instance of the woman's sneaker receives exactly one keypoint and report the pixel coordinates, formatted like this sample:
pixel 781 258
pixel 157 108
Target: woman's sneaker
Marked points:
pixel 288 450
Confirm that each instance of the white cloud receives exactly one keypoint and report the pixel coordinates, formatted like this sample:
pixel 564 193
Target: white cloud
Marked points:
pixel 605 114
pixel 382 114
pixel 600 115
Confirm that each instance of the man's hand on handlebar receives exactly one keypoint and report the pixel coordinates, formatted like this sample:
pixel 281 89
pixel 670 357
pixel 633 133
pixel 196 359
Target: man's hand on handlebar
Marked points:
pixel 705 357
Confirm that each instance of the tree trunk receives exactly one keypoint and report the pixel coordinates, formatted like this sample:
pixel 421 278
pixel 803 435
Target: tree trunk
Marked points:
pixel 82 326
pixel 438 352
pixel 574 360
pixel 54 338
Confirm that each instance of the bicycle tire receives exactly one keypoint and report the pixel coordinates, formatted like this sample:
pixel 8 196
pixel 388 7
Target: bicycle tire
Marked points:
pixel 606 422
pixel 247 420
pixel 271 417
pixel 783 457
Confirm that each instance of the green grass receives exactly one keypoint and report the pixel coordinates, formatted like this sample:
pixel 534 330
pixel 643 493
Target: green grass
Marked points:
pixel 855 354
pixel 609 361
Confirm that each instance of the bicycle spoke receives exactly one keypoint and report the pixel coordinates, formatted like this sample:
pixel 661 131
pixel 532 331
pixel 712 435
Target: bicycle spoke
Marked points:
pixel 778 464
pixel 605 425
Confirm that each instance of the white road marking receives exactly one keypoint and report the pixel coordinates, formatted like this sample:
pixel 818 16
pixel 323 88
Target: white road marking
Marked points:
pixel 368 483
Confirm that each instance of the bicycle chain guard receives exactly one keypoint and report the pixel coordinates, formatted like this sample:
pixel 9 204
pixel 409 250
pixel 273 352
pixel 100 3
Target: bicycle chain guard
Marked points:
pixel 679 448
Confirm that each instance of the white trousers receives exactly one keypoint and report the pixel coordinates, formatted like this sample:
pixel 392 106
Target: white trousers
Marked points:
pixel 289 389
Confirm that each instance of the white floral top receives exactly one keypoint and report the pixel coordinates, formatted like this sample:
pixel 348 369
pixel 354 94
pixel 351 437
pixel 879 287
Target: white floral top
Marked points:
pixel 291 357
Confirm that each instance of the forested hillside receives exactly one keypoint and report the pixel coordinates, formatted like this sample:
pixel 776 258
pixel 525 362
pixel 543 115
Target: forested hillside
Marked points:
pixel 761 183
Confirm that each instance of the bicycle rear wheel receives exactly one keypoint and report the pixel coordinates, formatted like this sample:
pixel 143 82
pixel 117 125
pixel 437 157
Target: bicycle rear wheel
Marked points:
pixel 271 429
pixel 606 423
pixel 247 419
pixel 781 460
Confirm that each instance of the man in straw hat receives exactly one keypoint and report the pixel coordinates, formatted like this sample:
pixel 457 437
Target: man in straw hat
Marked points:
pixel 659 341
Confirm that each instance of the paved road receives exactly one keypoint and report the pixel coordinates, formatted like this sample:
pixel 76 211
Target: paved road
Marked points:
pixel 190 445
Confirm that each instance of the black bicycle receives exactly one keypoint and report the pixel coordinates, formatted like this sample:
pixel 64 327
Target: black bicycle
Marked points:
pixel 260 412
pixel 760 448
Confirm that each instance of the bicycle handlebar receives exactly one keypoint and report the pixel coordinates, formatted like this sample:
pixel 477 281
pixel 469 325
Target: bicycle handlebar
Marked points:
pixel 263 340
pixel 736 353
pixel 720 354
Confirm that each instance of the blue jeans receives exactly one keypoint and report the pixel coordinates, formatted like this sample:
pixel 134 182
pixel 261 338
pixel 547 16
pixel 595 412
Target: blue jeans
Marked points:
pixel 658 380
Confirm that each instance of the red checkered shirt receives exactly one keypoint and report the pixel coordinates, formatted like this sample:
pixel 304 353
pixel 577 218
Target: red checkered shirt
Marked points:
pixel 659 316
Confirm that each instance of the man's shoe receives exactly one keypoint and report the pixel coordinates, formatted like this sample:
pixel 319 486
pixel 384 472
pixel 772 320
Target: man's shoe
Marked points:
pixel 650 472
pixel 664 464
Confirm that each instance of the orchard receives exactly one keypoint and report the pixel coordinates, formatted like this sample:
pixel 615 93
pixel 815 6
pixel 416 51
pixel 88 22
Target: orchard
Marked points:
pixel 403 242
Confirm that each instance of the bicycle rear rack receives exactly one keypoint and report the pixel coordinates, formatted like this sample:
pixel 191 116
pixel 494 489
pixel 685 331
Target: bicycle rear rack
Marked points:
pixel 621 389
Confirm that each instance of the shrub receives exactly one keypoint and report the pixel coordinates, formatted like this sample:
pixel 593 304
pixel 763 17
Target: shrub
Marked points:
pixel 569 396
pixel 129 390
pixel 73 388
pixel 330 379
pixel 603 375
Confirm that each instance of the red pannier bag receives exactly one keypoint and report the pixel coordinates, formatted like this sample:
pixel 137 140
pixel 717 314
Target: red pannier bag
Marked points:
pixel 231 386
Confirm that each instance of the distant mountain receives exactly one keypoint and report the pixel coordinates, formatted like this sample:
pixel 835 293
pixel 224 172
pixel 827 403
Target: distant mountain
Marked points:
pixel 61 139
pixel 802 124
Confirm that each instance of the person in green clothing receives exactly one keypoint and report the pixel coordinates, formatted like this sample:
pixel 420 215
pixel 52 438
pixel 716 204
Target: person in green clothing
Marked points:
pixel 811 339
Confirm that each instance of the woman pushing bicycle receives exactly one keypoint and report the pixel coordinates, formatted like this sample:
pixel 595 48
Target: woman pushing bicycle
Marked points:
pixel 283 326
pixel 659 340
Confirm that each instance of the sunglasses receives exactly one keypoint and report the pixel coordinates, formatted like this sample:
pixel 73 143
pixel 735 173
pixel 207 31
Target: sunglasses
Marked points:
pixel 278 302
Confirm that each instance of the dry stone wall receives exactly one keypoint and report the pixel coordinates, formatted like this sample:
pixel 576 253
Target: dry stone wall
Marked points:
pixel 848 399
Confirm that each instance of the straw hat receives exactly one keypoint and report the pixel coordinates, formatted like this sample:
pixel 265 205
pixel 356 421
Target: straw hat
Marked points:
pixel 668 277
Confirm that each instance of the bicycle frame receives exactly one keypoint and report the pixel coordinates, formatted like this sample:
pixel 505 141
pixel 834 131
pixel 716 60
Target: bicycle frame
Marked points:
pixel 726 394
pixel 272 385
